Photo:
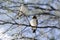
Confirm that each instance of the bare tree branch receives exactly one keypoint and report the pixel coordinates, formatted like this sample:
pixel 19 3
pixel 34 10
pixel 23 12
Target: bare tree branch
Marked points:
pixel 28 25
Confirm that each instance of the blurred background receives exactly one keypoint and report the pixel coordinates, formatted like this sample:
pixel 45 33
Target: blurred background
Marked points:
pixel 15 16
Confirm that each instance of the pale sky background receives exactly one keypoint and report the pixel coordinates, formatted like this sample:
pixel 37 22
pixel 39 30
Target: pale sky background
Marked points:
pixel 28 31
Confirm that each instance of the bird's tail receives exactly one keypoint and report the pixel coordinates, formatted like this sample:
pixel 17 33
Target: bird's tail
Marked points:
pixel 34 30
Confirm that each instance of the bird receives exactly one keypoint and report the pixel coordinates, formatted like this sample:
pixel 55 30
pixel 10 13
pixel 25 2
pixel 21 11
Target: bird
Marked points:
pixel 24 9
pixel 34 23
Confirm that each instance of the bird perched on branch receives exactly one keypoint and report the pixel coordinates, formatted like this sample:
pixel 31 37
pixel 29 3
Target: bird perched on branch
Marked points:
pixel 25 10
pixel 22 10
pixel 34 23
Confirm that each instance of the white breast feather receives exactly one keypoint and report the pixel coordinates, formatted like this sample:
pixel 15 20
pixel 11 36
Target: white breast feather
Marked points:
pixel 33 22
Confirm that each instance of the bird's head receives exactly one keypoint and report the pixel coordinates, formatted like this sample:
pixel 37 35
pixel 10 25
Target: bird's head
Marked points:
pixel 34 17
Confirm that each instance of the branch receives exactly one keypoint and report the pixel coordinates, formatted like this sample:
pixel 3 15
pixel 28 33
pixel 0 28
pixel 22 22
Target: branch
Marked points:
pixel 28 25
pixel 52 8
pixel 28 38
pixel 49 27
